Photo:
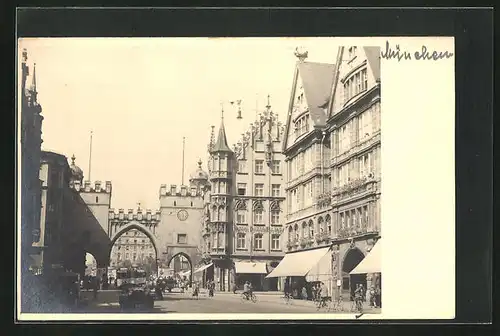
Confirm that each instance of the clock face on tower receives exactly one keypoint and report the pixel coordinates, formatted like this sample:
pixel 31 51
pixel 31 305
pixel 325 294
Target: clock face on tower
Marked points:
pixel 182 215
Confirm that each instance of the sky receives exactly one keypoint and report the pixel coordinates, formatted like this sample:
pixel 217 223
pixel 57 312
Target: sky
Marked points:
pixel 140 96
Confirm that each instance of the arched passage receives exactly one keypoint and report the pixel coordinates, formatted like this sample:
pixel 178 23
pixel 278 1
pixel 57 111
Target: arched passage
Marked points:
pixel 186 256
pixel 349 282
pixel 134 248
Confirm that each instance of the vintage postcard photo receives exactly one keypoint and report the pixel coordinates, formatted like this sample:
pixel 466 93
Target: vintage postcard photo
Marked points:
pixel 231 178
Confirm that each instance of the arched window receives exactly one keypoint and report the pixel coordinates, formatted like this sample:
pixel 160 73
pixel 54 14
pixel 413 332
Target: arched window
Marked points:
pixel 311 228
pixel 241 213
pixel 275 213
pixel 258 213
pixel 304 230
pixel 290 233
pixel 214 213
pixel 296 231
pixel 321 225
pixel 222 211
pixel 328 221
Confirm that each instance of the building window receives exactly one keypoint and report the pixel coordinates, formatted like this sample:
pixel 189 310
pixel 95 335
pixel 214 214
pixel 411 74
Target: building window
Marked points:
pixel 328 221
pixel 242 166
pixel 119 256
pixel 134 257
pixel 354 218
pixel 276 169
pixel 258 241
pixel 126 256
pixel 151 255
pixel 296 231
pixel 135 240
pixel 241 216
pixel 311 229
pixel 181 238
pixel 275 217
pixel 275 242
pixel 365 210
pixel 242 189
pixel 304 230
pixel 276 190
pixel 258 216
pixel 241 241
pixel 259 166
pixel 290 233
pixel 259 189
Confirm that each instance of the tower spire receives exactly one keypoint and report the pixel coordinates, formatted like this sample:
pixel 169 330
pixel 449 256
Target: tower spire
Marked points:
pixel 221 144
pixel 32 90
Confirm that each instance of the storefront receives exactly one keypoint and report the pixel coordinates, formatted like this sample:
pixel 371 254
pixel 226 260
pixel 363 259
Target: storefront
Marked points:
pixel 371 268
pixel 304 268
pixel 253 272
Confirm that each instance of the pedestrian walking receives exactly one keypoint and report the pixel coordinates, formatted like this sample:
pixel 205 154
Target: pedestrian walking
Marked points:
pixel 95 285
pixel 211 288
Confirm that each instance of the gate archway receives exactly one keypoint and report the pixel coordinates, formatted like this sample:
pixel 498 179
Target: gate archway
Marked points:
pixel 141 228
pixel 349 282
pixel 188 258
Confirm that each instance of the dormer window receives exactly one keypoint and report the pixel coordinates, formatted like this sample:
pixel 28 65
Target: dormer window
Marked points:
pixel 355 84
pixel 302 125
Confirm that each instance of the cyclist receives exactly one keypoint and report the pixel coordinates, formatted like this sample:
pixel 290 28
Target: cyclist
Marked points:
pixel 358 297
pixel 247 290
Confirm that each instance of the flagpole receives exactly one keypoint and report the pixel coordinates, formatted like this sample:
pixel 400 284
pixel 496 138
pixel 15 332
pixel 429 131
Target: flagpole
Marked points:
pixel 183 149
pixel 90 156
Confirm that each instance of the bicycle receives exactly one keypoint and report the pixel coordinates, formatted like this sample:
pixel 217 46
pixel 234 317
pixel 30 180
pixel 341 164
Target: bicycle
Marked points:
pixel 248 297
pixel 338 305
pixel 288 298
pixel 324 302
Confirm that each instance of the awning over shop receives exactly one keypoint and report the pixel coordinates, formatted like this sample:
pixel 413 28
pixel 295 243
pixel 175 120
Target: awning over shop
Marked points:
pixel 243 267
pixel 322 271
pixel 371 263
pixel 298 263
pixel 202 268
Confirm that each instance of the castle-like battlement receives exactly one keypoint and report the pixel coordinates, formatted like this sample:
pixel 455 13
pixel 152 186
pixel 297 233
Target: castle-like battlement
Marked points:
pixel 89 187
pixel 182 191
pixel 139 215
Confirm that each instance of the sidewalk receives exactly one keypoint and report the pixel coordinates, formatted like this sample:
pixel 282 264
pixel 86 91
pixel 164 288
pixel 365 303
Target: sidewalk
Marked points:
pixel 278 298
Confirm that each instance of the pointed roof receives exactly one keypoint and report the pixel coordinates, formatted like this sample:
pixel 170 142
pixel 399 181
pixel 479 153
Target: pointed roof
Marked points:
pixel 373 56
pixel 317 81
pixel 33 79
pixel 221 143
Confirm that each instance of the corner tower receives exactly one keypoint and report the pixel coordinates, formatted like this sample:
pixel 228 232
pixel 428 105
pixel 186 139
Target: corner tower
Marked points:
pixel 97 196
pixel 220 223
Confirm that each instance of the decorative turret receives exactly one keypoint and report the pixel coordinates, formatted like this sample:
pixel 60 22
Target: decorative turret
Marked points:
pixel 199 178
pixel 76 172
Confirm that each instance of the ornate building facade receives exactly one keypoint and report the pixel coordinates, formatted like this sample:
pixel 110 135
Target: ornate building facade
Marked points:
pixel 30 151
pixel 245 207
pixel 332 148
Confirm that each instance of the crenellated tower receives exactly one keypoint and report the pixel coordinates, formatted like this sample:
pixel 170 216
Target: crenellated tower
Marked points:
pixel 96 195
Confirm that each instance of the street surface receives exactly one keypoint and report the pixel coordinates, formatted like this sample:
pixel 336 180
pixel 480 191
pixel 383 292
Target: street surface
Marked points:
pixel 107 302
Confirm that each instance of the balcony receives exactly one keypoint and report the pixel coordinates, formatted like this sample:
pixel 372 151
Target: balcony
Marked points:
pixel 352 232
pixel 358 146
pixel 324 200
pixel 356 187
pixel 322 238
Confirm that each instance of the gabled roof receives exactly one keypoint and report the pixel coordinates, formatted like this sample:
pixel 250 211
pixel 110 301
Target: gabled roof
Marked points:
pixel 373 57
pixel 317 80
pixel 221 143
